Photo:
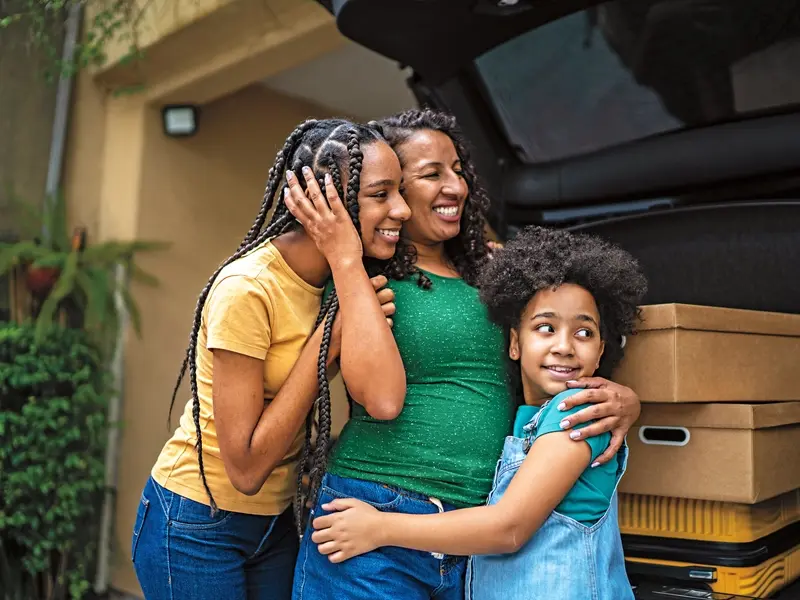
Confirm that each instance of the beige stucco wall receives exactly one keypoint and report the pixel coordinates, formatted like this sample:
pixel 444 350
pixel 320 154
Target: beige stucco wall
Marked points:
pixel 125 179
pixel 200 50
pixel 27 108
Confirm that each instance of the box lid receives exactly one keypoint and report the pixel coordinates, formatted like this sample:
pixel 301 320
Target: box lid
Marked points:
pixel 721 416
pixel 712 318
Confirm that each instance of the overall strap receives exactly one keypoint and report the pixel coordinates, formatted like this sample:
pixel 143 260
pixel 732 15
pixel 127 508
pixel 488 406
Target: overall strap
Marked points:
pixel 530 428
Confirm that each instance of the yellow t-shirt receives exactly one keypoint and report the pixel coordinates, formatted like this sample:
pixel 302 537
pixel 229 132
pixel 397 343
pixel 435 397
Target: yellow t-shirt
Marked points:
pixel 258 307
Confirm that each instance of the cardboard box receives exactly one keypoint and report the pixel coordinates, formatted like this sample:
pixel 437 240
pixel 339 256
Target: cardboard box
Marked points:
pixel 743 453
pixel 687 353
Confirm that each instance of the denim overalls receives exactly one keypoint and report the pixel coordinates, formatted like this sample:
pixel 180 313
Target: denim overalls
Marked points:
pixel 564 559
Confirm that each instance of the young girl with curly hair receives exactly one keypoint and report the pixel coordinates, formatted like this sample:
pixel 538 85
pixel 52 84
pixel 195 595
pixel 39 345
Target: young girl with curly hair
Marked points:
pixel 550 527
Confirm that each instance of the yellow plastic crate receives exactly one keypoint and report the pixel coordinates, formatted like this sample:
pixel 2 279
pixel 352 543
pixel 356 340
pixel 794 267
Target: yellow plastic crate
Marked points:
pixel 706 520
pixel 759 581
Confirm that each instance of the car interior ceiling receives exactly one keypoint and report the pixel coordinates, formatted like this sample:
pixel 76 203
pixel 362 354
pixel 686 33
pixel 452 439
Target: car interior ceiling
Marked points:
pixel 711 208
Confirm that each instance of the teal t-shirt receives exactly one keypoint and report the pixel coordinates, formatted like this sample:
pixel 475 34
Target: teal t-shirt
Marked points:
pixel 458 409
pixel 590 497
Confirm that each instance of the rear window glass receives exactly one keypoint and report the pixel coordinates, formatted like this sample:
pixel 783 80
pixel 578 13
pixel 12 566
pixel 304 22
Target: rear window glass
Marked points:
pixel 629 69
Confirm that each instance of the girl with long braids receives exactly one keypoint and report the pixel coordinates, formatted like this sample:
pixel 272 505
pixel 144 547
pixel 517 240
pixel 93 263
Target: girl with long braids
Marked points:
pixel 215 520
pixel 440 453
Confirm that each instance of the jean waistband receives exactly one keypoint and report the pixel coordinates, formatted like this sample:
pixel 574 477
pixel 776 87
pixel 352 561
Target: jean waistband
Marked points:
pixel 401 491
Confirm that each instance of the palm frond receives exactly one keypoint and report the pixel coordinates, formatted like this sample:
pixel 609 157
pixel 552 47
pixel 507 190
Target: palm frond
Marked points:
pixel 111 253
pixel 19 253
pixel 63 287
pixel 51 259
pixel 133 311
pixel 140 275
pixel 94 286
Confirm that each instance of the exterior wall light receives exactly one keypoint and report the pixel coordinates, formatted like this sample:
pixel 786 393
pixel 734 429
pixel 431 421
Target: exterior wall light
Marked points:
pixel 180 120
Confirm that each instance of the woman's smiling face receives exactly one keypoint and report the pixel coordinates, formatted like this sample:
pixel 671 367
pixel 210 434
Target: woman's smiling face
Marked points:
pixel 433 186
pixel 382 209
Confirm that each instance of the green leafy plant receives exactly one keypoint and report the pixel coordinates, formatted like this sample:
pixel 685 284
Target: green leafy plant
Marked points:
pixel 53 401
pixel 80 277
pixel 110 21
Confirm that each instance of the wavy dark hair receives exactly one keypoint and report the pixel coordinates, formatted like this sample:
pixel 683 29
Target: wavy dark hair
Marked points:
pixel 467 251
pixel 539 258
pixel 327 146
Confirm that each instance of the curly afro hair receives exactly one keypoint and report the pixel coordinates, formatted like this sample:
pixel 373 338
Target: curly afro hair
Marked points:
pixel 540 258
pixel 468 250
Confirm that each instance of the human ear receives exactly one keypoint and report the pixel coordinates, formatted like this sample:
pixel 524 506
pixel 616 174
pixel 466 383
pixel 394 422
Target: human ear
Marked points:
pixel 513 346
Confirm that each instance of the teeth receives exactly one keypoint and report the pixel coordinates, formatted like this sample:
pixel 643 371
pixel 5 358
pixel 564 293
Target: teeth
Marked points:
pixel 447 211
pixel 561 369
pixel 392 233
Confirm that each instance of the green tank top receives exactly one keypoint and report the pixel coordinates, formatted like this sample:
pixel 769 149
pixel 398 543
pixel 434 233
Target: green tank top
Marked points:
pixel 458 409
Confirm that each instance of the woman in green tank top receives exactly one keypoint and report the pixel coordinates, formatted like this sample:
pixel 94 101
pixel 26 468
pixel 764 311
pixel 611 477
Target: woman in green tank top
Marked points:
pixel 439 454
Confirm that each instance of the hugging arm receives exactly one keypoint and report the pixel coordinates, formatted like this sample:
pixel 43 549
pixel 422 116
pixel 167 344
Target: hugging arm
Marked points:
pixel 551 468
pixel 615 408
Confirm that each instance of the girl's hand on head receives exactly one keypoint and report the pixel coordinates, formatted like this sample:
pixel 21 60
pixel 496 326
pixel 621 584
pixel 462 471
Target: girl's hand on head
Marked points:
pixel 616 408
pixel 352 528
pixel 326 222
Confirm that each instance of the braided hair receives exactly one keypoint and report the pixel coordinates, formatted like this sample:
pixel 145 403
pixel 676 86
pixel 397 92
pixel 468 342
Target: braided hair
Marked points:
pixel 467 251
pixel 328 146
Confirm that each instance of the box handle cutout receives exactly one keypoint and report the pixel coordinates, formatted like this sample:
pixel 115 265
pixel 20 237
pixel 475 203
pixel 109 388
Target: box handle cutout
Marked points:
pixel 664 436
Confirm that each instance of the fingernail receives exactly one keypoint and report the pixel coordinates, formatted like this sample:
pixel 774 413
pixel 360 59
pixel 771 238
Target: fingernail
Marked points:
pixel 564 424
pixel 595 464
pixel 289 176
pixel 571 381
pixel 562 406
pixel 285 192
pixel 327 178
pixel 575 435
pixel 306 170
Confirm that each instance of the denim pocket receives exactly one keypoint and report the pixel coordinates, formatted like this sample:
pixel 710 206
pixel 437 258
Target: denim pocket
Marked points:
pixel 380 496
pixel 193 515
pixel 141 514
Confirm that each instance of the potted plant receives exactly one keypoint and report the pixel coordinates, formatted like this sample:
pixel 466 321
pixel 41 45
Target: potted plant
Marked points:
pixel 63 272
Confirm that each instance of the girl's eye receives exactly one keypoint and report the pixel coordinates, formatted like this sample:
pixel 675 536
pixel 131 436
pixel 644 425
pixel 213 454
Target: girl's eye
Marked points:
pixel 585 333
pixel 379 195
pixel 545 328
pixel 431 175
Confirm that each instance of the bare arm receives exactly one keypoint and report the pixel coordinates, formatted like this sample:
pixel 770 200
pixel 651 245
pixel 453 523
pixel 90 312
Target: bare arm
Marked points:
pixel 548 473
pixel 368 346
pixel 254 438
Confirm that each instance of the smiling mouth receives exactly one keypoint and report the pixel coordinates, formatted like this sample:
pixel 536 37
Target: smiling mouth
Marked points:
pixel 390 234
pixel 561 372
pixel 446 211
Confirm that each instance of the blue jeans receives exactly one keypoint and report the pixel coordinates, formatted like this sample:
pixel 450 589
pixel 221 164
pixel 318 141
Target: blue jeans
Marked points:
pixel 389 573
pixel 180 551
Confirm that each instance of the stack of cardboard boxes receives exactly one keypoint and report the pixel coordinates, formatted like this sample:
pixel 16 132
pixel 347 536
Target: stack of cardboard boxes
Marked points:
pixel 711 497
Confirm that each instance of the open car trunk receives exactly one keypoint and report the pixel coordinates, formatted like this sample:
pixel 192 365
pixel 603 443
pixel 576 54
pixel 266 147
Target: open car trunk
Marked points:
pixel 671 127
